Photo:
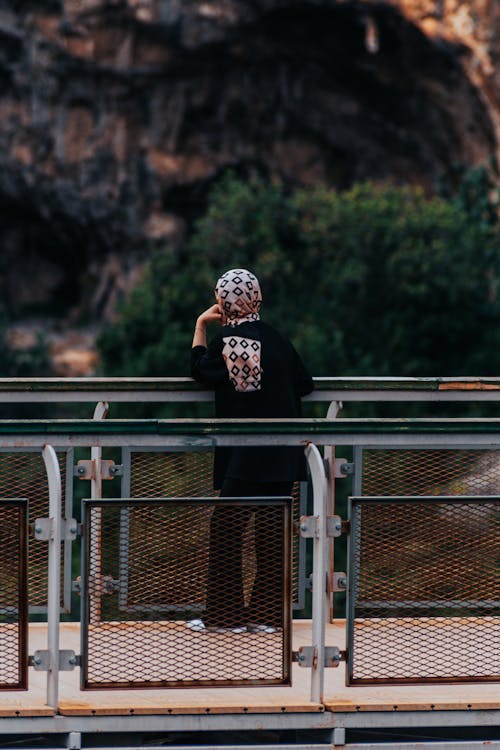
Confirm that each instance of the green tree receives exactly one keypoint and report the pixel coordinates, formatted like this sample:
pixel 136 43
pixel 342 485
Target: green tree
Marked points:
pixel 376 280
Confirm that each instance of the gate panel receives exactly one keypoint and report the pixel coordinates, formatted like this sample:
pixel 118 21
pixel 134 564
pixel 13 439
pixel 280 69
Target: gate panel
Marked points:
pixel 145 575
pixel 13 595
pixel 424 590
pixel 151 473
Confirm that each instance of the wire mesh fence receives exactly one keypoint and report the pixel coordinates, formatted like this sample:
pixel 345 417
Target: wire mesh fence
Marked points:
pixel 430 472
pixel 186 592
pixel 189 474
pixel 424 590
pixel 13 589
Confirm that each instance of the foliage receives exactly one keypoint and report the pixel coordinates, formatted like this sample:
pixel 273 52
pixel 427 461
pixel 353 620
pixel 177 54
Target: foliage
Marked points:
pixel 376 280
pixel 22 363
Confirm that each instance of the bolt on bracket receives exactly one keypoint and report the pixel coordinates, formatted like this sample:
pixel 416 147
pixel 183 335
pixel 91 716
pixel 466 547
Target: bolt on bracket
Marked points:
pixel 339 582
pixel 307 656
pixel 86 469
pixel 309 527
pixel 40 661
pixel 43 529
pixel 343 468
pixel 333 526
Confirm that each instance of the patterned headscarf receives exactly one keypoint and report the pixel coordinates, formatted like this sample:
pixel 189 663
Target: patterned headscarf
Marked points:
pixel 238 293
pixel 239 296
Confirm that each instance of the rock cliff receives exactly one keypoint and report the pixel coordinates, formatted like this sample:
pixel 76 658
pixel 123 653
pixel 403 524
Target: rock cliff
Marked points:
pixel 117 115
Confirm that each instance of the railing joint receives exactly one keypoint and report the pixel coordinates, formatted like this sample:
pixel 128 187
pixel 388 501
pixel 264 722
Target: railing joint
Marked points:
pixel 40 660
pixel 307 656
pixel 343 468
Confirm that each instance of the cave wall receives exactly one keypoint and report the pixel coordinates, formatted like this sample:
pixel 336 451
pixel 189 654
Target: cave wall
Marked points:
pixel 117 115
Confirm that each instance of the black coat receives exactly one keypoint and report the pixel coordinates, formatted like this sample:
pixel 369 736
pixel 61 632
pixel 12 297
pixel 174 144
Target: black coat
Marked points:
pixel 284 381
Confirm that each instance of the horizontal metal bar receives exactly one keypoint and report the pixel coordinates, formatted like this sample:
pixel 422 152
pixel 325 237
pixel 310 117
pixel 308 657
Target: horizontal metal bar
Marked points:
pixel 318 719
pixel 245 746
pixel 408 428
pixel 76 390
pixel 418 744
pixel 208 433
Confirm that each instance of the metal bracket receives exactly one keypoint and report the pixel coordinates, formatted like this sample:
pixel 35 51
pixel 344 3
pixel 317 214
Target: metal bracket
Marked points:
pixel 42 529
pixel 85 469
pixel 333 526
pixel 343 468
pixel 309 526
pixel 339 582
pixel 103 585
pixel 307 656
pixel 40 661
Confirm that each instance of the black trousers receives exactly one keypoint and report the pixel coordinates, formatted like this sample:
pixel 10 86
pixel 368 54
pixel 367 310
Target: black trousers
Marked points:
pixel 228 604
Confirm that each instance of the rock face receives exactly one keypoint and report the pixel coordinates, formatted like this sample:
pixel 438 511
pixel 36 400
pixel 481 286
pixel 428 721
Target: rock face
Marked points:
pixel 117 115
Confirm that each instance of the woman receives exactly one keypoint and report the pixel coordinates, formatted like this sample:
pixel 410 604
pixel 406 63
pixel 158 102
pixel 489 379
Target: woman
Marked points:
pixel 256 373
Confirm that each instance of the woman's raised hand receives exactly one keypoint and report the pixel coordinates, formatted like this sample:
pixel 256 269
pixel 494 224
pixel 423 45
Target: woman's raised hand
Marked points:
pixel 212 315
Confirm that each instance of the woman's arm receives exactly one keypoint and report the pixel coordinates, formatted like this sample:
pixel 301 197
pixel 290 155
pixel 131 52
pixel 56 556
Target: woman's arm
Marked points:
pixel 207 363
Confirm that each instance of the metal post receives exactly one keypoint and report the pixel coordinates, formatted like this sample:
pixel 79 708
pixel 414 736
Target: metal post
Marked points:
pixel 320 596
pixel 334 410
pixel 100 412
pixel 54 571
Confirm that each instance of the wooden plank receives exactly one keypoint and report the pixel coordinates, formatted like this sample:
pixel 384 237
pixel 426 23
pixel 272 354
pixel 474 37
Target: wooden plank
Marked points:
pixel 92 708
pixel 21 710
pixel 350 706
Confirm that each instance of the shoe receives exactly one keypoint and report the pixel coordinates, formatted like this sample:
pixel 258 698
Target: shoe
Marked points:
pixel 222 629
pixel 260 628
pixel 196 625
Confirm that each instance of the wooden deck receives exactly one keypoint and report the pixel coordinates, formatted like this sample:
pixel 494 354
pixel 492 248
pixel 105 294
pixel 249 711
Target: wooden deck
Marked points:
pixel 295 699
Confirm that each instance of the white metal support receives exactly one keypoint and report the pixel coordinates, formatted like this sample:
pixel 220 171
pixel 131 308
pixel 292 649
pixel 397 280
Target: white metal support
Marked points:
pixel 54 571
pixel 100 412
pixel 320 597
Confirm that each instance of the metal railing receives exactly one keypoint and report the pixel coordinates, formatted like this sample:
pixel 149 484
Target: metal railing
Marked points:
pixel 405 437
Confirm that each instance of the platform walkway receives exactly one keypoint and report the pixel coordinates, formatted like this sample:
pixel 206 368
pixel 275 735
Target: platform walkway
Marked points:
pixel 247 700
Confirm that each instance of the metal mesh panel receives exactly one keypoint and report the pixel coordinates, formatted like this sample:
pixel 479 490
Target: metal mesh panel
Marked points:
pixel 430 472
pixel 13 603
pixel 424 590
pixel 178 474
pixel 23 474
pixel 176 593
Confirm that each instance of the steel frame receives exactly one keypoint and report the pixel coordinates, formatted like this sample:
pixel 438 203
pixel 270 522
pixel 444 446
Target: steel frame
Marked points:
pixel 207 433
